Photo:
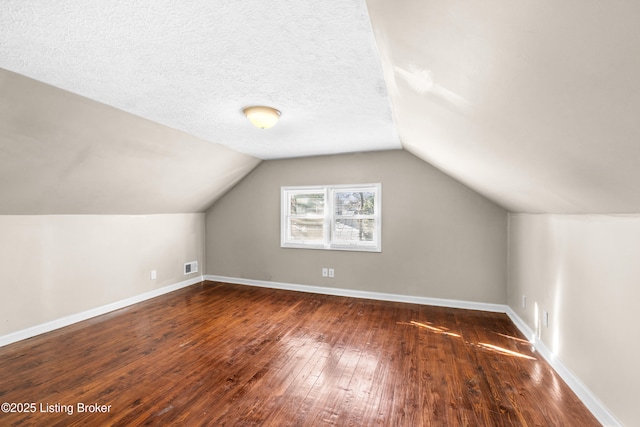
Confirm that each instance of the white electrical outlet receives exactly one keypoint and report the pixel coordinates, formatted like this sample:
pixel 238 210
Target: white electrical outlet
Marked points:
pixel 325 272
pixel 524 301
pixel 154 275
pixel 332 273
pixel 545 318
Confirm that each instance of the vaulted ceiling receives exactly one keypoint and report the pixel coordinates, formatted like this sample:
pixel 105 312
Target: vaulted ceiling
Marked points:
pixel 194 65
pixel 135 107
pixel 533 103
pixel 61 153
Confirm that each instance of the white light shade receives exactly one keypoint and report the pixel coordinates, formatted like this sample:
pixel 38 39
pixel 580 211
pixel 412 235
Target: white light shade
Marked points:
pixel 262 117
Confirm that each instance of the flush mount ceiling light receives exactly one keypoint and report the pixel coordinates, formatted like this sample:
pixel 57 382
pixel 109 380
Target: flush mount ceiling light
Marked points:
pixel 262 117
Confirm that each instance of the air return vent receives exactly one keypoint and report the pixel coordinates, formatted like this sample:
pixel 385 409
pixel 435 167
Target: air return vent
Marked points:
pixel 191 267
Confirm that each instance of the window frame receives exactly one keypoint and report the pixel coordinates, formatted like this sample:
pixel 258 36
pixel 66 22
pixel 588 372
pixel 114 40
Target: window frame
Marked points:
pixel 329 242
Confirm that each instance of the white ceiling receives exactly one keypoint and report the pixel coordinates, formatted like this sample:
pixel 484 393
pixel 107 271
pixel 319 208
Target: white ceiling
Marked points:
pixel 194 65
pixel 533 104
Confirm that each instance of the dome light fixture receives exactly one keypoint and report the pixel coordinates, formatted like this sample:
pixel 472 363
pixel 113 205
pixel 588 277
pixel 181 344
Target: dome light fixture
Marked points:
pixel 262 117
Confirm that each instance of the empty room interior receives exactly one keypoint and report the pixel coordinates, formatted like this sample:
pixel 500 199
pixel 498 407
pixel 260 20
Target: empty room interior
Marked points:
pixel 319 213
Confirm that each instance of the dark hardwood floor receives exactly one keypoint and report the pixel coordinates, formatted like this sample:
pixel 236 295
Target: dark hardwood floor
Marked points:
pixel 221 354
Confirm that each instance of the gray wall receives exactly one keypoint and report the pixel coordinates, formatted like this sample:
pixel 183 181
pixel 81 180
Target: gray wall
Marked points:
pixel 52 266
pixel 61 153
pixel 439 238
pixel 584 271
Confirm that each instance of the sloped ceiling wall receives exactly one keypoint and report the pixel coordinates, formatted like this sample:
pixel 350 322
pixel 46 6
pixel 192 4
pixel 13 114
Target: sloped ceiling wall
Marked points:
pixel 191 67
pixel 531 103
pixel 61 153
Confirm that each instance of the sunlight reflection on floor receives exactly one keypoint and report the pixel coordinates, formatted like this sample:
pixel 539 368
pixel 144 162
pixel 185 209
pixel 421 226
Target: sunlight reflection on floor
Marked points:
pixel 440 330
pixel 504 351
pixel 491 347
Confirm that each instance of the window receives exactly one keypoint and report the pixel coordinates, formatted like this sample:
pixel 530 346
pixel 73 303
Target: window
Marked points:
pixel 342 217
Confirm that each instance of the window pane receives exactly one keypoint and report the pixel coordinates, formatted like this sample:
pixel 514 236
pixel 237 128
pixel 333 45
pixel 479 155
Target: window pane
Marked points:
pixel 354 202
pixel 354 230
pixel 307 204
pixel 306 229
pixel 333 217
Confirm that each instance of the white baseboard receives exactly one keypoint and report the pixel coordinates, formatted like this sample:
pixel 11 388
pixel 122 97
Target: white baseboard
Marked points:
pixel 597 408
pixel 470 305
pixel 588 398
pixel 79 317
pixel 592 403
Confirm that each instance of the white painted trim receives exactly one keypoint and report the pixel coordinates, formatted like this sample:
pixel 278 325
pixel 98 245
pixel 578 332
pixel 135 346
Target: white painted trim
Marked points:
pixel 592 403
pixel 521 325
pixel 329 218
pixel 79 317
pixel 597 408
pixel 470 305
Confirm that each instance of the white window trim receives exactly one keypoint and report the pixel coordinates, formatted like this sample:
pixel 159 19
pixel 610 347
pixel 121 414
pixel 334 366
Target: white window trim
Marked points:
pixel 330 218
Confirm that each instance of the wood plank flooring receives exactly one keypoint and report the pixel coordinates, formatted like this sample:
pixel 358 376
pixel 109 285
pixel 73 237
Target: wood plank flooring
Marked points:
pixel 230 355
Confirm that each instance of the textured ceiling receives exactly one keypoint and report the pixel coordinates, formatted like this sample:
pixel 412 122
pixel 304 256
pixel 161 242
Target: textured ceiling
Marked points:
pixel 534 103
pixel 194 65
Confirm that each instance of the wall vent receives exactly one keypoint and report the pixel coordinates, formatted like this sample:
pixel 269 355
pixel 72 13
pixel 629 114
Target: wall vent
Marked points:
pixel 191 267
